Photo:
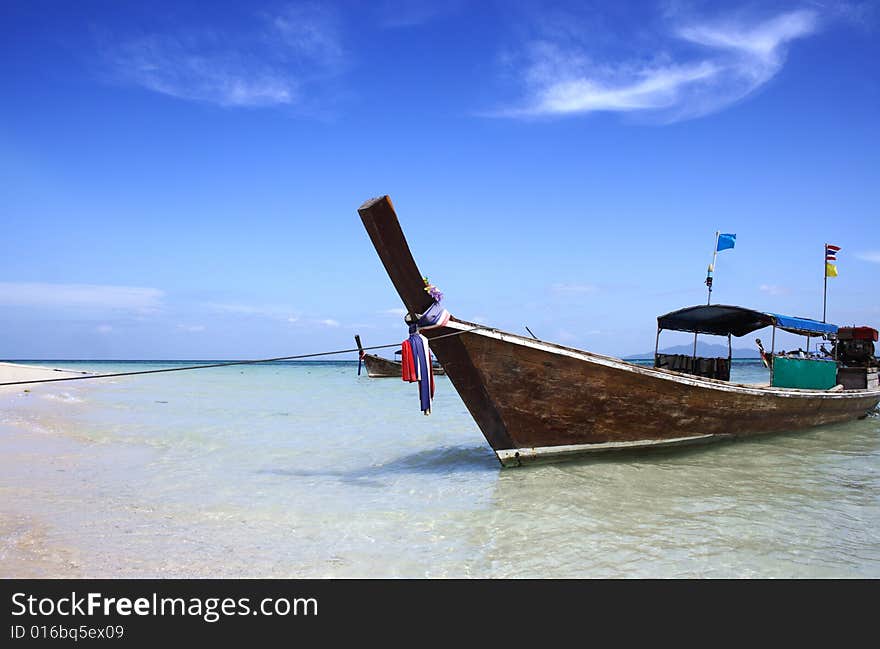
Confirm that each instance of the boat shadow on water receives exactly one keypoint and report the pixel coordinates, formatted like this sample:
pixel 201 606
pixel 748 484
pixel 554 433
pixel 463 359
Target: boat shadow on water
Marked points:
pixel 437 461
pixel 459 459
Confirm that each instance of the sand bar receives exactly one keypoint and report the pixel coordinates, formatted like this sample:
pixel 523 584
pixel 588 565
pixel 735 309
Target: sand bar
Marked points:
pixel 10 372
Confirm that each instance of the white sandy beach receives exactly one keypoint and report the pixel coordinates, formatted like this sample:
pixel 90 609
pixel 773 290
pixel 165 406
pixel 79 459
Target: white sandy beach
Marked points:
pixel 13 372
pixel 24 547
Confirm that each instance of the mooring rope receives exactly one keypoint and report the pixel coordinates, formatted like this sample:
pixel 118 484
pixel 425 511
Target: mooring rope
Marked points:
pixel 227 363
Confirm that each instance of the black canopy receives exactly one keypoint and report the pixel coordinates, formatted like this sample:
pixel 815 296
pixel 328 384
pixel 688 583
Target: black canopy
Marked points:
pixel 716 319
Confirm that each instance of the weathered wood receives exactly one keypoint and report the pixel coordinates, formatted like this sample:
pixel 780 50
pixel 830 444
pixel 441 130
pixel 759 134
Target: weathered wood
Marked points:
pixel 548 397
pixel 381 223
pixel 383 227
pixel 533 399
pixel 383 368
pixel 857 378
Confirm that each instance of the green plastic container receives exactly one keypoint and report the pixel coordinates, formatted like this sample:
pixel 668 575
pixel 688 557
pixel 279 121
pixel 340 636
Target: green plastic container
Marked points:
pixel 807 374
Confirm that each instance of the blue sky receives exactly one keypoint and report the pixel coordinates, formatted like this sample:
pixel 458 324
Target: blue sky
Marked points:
pixel 181 180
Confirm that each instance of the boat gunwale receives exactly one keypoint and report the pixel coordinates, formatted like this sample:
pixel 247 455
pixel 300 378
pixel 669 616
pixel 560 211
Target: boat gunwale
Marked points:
pixel 656 373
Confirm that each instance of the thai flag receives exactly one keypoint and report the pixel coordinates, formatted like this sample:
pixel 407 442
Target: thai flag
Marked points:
pixel 831 252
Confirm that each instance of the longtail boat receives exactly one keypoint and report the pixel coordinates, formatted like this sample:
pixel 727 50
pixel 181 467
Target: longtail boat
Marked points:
pixel 536 400
pixel 383 368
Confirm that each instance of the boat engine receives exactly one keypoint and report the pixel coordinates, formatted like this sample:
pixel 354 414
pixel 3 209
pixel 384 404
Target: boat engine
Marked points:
pixel 855 346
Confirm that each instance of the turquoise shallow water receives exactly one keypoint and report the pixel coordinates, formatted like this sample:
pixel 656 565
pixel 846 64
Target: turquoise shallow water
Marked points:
pixel 304 469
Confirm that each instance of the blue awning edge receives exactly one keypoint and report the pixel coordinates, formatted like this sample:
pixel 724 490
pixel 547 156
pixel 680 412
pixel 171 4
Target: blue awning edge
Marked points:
pixel 803 326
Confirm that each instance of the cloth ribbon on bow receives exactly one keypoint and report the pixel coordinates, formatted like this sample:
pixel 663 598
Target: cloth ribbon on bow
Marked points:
pixel 416 354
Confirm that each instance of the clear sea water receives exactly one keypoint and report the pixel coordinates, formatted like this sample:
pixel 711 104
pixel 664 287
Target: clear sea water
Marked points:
pixel 306 470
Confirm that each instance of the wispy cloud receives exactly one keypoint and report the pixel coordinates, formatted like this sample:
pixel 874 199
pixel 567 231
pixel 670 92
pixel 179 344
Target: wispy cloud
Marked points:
pixel 409 13
pixel 574 288
pixel 399 312
pixel 722 62
pixel 260 310
pixel 872 256
pixel 129 298
pixel 191 328
pixel 266 64
pixel 273 312
pixel 774 289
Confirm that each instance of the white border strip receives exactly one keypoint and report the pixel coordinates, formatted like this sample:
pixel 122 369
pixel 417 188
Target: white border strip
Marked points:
pixel 517 456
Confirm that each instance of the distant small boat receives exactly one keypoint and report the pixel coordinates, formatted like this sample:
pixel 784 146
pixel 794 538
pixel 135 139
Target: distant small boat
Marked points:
pixel 383 368
pixel 537 400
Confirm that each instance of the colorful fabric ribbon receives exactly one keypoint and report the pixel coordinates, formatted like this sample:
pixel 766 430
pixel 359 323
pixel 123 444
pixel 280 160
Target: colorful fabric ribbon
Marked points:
pixel 417 367
pixel 416 355
pixel 410 373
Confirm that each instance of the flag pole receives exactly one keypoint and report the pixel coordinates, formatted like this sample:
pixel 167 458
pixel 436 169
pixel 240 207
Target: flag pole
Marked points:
pixel 712 268
pixel 709 274
pixel 825 274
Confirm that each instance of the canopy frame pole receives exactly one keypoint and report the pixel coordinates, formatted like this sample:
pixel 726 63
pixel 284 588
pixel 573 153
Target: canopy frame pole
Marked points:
pixel 729 355
pixel 657 346
pixel 772 350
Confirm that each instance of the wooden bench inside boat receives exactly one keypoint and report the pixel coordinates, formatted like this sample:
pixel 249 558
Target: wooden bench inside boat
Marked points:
pixel 710 368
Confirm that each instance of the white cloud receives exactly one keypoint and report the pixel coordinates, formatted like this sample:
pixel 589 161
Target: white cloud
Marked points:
pixel 191 328
pixel 168 66
pixel 309 31
pixel 574 288
pixel 130 298
pixel 276 312
pixel 262 310
pixel 400 312
pixel 872 256
pixel 104 329
pixel 265 64
pixel 735 59
pixel 774 289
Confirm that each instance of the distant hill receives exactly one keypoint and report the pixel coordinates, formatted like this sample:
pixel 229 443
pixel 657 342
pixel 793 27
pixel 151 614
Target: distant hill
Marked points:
pixel 707 350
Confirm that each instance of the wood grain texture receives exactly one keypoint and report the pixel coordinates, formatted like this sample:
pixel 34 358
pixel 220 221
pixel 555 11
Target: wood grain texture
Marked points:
pixel 383 368
pixel 524 393
pixel 546 398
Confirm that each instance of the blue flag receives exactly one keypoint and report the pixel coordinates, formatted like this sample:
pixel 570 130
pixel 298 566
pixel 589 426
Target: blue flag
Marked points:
pixel 726 241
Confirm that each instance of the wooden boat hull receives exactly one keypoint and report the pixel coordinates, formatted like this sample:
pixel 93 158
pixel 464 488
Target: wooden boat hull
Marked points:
pixel 535 400
pixel 551 401
pixel 382 368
